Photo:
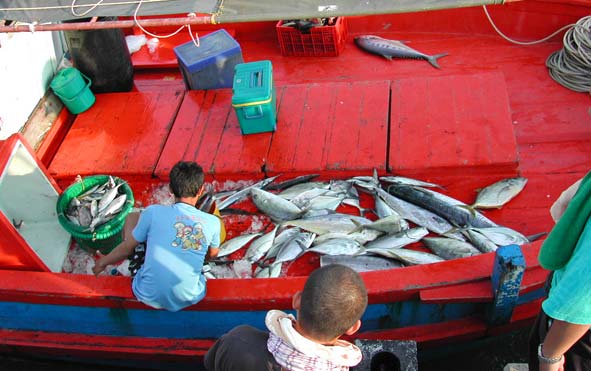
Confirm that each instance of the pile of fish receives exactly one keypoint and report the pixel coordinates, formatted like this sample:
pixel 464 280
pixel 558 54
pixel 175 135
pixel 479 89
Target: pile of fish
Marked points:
pixel 305 220
pixel 97 205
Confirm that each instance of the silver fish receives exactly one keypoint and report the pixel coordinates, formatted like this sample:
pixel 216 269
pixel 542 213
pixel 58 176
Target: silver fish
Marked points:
pixel 499 193
pixel 275 269
pixel 344 187
pixel 480 241
pixel 408 181
pixel 275 207
pixel 362 263
pixel 324 203
pixel 109 197
pixel 84 217
pixel 295 190
pixel 280 240
pixel 259 247
pixel 448 248
pixel 410 257
pixel 397 240
pixel 503 236
pixel 416 214
pixel 100 220
pixel 382 209
pixel 295 247
pixel 393 48
pixel 303 199
pixel 362 236
pixel 390 224
pixel 338 246
pixel 115 206
pixel 336 222
pixel 235 244
pixel 94 208
pixel 239 195
pixel 270 271
pixel 351 201
pixel 291 182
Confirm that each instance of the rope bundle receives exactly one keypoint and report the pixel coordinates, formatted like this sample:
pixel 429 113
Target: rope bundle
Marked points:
pixel 571 66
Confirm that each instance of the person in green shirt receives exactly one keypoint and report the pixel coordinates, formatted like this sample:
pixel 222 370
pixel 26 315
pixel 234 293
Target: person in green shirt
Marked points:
pixel 560 339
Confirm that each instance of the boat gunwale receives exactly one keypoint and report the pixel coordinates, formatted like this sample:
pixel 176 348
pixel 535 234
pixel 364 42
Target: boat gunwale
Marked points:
pixel 251 294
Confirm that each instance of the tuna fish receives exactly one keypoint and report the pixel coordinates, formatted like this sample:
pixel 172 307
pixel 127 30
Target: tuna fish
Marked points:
pixel 393 49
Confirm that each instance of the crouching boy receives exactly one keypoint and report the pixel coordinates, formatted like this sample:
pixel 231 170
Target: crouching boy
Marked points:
pixel 177 239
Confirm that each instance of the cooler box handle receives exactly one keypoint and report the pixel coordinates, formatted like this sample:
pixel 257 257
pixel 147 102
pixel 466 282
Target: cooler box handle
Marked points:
pixel 256 79
pixel 249 114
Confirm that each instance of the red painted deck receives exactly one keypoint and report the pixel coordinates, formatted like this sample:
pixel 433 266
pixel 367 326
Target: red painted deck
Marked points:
pixel 492 110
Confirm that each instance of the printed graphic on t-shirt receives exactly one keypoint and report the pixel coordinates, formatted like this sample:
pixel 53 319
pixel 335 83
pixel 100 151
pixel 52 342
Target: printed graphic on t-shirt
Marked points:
pixel 189 237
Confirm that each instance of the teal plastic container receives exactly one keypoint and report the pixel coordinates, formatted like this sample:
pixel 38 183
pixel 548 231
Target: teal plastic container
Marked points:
pixel 73 88
pixel 254 97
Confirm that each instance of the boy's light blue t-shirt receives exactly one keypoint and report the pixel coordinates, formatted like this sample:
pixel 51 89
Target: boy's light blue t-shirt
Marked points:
pixel 569 299
pixel 177 239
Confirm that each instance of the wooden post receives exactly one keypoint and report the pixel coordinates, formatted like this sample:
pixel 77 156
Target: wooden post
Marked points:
pixel 506 279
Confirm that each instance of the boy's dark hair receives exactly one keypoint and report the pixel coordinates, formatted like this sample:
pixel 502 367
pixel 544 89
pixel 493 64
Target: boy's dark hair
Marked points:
pixel 186 178
pixel 334 298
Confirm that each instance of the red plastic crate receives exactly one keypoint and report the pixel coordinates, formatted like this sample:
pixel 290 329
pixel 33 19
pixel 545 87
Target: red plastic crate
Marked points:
pixel 324 41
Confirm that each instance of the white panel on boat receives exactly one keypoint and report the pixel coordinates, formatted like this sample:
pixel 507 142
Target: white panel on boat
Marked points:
pixel 27 195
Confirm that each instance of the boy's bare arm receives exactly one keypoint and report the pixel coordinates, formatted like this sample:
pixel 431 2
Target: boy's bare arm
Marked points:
pixel 212 252
pixel 122 251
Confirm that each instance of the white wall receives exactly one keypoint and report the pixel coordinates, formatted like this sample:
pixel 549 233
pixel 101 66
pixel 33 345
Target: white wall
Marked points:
pixel 27 65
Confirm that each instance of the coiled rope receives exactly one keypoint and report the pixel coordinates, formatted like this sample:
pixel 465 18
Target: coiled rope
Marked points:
pixel 570 66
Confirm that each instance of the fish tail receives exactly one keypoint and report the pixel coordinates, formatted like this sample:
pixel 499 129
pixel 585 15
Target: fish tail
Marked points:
pixel 433 59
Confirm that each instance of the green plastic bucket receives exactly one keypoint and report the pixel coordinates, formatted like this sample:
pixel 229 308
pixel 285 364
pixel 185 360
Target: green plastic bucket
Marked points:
pixel 105 237
pixel 73 88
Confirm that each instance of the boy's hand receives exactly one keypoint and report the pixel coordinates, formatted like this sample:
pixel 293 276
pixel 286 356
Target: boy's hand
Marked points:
pixel 99 266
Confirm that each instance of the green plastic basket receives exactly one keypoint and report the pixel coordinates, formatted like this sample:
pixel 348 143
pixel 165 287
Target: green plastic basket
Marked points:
pixel 105 237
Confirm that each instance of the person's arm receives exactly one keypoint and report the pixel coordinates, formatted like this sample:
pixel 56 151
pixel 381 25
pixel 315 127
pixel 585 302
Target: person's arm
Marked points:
pixel 122 251
pixel 559 207
pixel 561 336
pixel 212 252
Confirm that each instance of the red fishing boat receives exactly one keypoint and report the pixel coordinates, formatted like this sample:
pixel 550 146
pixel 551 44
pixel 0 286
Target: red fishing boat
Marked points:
pixel 491 111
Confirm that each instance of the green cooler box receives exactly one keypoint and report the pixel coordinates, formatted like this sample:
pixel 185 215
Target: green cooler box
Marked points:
pixel 254 97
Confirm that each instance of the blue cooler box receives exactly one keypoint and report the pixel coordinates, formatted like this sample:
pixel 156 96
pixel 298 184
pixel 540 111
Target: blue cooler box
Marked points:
pixel 211 65
pixel 254 97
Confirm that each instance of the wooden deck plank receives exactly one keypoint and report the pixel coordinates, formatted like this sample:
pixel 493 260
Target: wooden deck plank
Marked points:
pixel 556 157
pixel 207 131
pixel 122 133
pixel 240 156
pixel 342 128
pixel 451 122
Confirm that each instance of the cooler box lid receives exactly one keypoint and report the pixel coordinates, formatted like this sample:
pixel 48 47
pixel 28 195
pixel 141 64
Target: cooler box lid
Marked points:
pixel 218 44
pixel 253 83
